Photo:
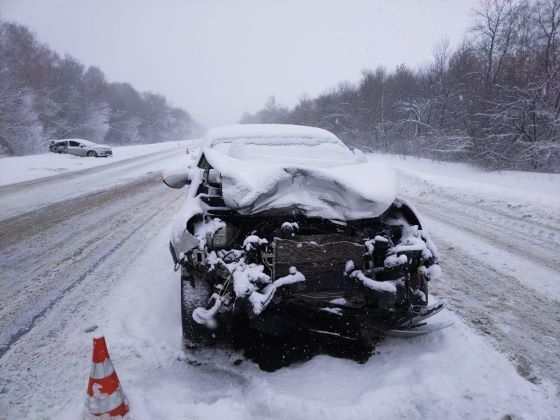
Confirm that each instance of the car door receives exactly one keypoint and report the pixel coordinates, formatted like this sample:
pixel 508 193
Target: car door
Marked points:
pixel 75 149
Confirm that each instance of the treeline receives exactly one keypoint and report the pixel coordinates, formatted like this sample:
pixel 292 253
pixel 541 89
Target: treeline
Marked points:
pixel 45 96
pixel 495 100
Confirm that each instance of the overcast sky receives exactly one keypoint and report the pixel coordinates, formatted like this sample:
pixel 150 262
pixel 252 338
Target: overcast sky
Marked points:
pixel 218 59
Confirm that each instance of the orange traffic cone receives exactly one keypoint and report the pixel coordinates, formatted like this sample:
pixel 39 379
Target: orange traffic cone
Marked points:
pixel 105 396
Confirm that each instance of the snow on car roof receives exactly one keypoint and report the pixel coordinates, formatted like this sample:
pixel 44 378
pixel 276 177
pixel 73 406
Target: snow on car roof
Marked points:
pixel 279 142
pixel 270 134
pixel 87 142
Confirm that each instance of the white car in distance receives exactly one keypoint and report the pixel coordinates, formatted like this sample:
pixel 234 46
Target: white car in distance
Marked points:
pixel 80 147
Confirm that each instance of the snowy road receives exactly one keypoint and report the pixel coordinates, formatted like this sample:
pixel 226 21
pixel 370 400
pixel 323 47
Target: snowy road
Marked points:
pixel 97 263
pixel 60 260
pixel 34 194
pixel 48 252
pixel 502 265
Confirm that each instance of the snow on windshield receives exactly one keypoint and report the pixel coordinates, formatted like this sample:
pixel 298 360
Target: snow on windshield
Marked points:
pixel 287 149
pixel 268 131
pixel 249 141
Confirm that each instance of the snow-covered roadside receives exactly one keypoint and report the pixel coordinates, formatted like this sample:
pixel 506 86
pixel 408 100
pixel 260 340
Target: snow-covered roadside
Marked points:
pixel 26 168
pixel 499 235
pixel 21 198
pixel 450 374
pixel 517 211
pixel 456 174
pixel 530 195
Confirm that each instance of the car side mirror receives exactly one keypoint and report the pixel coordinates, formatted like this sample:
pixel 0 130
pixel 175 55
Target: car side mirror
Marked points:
pixel 177 177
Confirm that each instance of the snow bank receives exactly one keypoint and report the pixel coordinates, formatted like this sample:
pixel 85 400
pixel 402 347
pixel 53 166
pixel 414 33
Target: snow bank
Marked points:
pixel 507 219
pixel 470 179
pixel 75 180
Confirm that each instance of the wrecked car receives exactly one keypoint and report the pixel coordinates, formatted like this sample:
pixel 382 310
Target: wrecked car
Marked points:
pixel 80 147
pixel 286 235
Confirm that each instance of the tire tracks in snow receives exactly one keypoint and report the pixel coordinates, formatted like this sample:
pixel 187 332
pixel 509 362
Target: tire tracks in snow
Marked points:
pixel 522 323
pixel 53 179
pixel 23 227
pixel 519 240
pixel 498 267
pixel 547 218
pixel 41 370
pixel 24 199
pixel 41 267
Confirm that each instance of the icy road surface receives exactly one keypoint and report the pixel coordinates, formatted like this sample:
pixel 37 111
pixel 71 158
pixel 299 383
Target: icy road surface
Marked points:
pixel 97 263
pixel 499 236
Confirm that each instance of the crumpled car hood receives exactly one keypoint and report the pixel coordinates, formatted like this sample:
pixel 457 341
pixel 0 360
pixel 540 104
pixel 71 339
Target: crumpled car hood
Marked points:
pixel 332 190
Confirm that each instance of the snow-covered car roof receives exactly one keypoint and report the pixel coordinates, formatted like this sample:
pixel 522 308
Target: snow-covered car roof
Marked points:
pixel 280 143
pixel 86 142
pixel 269 134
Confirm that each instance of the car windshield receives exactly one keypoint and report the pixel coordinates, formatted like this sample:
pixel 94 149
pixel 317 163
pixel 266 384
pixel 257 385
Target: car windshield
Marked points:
pixel 277 142
pixel 285 148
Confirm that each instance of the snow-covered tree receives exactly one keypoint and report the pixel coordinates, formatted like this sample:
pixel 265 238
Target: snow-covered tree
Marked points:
pixel 46 96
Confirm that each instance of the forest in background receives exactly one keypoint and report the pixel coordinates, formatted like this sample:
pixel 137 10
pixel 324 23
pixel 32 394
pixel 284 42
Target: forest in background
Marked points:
pixel 493 101
pixel 45 96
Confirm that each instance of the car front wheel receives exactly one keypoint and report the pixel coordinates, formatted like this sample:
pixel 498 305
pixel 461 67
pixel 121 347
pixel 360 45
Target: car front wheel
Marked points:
pixel 91 154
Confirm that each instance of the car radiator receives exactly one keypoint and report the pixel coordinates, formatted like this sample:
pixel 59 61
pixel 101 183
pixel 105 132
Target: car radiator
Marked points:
pixel 321 258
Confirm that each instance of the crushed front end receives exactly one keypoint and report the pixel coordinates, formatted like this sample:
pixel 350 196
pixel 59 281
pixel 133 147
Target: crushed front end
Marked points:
pixel 285 277
pixel 289 242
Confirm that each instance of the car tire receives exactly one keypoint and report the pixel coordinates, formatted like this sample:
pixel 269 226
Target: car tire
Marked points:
pixel 193 295
pixel 91 153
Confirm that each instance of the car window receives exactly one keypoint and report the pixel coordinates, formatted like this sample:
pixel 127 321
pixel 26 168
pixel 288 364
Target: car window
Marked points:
pixel 74 144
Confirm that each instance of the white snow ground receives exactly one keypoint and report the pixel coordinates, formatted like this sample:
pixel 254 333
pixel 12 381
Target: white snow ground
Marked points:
pixel 517 209
pixel 466 371
pixel 80 176
pixel 26 168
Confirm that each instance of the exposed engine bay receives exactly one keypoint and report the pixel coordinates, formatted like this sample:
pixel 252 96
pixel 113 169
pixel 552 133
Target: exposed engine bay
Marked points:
pixel 353 281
